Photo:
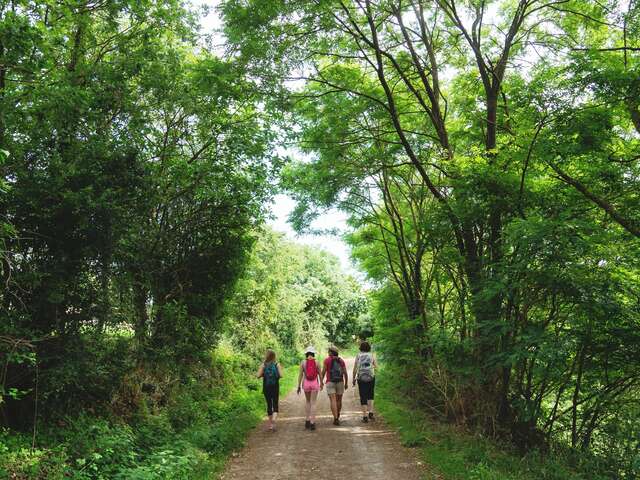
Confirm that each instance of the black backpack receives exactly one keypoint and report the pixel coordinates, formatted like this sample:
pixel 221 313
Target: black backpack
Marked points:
pixel 335 372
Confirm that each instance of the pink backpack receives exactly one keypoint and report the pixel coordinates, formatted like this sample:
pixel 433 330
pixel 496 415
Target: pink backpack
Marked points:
pixel 311 369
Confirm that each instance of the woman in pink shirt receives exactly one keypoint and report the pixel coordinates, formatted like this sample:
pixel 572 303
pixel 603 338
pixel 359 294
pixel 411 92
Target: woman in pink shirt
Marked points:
pixel 312 384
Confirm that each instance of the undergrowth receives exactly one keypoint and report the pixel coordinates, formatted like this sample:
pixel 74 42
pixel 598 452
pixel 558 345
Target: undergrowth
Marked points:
pixel 190 437
pixel 457 454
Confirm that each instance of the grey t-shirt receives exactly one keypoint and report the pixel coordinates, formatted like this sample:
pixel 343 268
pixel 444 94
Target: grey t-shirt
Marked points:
pixel 364 360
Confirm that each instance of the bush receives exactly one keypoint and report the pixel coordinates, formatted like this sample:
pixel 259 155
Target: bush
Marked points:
pixel 18 461
pixel 457 453
pixel 204 418
pixel 98 448
pixel 163 464
pixel 82 372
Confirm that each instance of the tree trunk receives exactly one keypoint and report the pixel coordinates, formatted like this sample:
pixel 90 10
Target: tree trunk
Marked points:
pixel 575 398
pixel 140 298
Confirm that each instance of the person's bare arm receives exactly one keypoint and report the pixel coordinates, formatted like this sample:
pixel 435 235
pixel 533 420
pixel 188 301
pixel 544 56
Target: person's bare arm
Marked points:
pixel 355 370
pixel 300 373
pixel 260 371
pixel 346 376
pixel 280 370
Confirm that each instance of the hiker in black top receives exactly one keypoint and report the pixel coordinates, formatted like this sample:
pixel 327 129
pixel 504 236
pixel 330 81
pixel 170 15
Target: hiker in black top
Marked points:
pixel 270 371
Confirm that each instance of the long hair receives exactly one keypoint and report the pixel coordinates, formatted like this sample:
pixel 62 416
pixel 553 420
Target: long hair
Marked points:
pixel 270 357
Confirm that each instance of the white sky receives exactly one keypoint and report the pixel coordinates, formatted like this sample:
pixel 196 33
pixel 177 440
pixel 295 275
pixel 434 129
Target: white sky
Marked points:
pixel 283 204
pixel 281 209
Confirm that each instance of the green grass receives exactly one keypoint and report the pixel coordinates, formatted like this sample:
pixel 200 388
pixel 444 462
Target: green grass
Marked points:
pixel 192 437
pixel 289 381
pixel 455 454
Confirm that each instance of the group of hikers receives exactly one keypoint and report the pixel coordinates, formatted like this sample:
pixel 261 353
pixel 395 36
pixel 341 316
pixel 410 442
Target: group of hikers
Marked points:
pixel 312 379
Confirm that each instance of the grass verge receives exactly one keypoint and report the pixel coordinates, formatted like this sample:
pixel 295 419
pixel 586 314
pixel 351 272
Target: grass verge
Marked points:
pixel 191 437
pixel 454 454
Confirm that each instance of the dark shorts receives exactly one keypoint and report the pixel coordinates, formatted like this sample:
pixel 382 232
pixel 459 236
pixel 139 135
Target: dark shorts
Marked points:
pixel 366 390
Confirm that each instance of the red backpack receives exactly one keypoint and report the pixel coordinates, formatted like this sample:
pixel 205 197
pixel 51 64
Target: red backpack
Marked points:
pixel 311 369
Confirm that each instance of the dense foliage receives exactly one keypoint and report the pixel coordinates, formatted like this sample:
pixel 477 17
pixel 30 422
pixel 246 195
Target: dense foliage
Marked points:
pixel 205 418
pixel 487 153
pixel 138 166
pixel 135 169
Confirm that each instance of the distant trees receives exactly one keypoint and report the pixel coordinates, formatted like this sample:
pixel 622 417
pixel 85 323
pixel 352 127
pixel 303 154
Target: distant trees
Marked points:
pixel 292 295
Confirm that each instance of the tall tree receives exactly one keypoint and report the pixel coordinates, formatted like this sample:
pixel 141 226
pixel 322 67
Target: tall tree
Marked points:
pixel 509 118
pixel 139 166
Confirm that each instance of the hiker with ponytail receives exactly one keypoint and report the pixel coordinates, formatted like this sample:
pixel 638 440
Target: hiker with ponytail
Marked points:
pixel 271 372
pixel 310 380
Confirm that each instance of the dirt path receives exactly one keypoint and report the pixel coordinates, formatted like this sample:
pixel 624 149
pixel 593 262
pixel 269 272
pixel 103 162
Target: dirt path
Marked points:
pixel 352 450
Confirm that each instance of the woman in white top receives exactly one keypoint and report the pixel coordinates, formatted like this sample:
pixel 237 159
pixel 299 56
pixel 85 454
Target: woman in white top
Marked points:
pixel 364 373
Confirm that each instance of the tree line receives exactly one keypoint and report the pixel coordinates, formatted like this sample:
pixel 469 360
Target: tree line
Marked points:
pixel 137 169
pixel 487 155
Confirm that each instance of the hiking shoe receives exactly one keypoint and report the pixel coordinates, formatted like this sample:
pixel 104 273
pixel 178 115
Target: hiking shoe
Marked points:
pixel 371 415
pixel 336 421
pixel 307 424
pixel 365 419
pixel 312 426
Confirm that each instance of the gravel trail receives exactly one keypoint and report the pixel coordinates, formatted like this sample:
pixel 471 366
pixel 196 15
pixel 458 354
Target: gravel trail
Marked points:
pixel 353 450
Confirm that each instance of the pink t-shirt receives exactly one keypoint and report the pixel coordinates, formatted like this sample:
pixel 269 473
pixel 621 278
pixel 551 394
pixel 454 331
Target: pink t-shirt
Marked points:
pixel 327 366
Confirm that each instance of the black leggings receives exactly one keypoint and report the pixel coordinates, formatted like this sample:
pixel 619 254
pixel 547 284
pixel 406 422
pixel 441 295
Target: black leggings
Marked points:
pixel 366 391
pixel 271 395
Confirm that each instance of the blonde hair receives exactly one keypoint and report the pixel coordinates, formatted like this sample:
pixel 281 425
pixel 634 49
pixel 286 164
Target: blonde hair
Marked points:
pixel 270 356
